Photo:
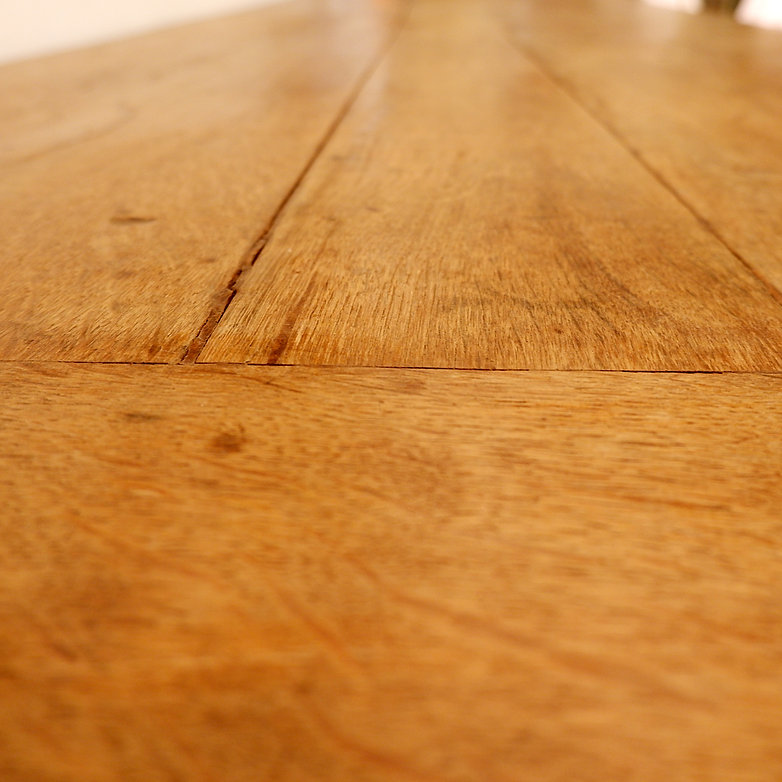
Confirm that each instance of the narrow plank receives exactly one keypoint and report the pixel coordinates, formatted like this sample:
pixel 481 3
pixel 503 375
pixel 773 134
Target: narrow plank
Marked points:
pixel 388 574
pixel 135 176
pixel 468 213
pixel 698 97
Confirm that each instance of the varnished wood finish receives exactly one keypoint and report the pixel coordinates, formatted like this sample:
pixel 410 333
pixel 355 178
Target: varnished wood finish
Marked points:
pixel 699 99
pixel 221 573
pixel 135 177
pixel 291 573
pixel 468 213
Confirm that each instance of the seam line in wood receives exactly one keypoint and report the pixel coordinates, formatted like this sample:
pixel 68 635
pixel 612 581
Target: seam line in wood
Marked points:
pixel 348 367
pixel 226 295
pixel 574 94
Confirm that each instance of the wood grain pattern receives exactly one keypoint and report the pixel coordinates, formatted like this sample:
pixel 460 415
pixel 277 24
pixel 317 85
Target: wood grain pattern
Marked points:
pixel 698 98
pixel 134 177
pixel 299 574
pixel 231 574
pixel 468 213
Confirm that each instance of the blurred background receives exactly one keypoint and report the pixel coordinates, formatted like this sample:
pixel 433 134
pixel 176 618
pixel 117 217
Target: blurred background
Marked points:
pixel 763 13
pixel 29 28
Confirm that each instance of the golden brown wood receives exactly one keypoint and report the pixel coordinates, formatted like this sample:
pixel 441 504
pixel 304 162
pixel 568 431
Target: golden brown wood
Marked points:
pixel 468 213
pixel 300 574
pixel 135 176
pixel 234 574
pixel 699 99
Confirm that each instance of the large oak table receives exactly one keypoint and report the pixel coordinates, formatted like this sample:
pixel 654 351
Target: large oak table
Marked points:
pixel 392 390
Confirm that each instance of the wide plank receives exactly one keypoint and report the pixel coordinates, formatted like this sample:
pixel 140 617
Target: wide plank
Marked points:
pixel 136 176
pixel 698 99
pixel 469 213
pixel 288 573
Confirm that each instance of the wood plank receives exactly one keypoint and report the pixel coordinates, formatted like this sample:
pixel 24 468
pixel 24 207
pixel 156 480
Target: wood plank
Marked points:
pixel 468 213
pixel 699 98
pixel 135 176
pixel 299 574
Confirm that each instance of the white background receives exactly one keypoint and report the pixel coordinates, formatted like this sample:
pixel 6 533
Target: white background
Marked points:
pixel 33 27
pixel 766 13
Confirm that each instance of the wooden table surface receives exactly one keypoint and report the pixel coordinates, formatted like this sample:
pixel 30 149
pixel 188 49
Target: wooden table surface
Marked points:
pixel 392 390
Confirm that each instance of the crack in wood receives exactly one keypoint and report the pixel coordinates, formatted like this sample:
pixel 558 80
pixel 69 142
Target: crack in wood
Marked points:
pixel 223 298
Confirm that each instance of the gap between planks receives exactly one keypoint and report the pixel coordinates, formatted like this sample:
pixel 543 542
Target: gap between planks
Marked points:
pixel 564 85
pixel 369 367
pixel 227 293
